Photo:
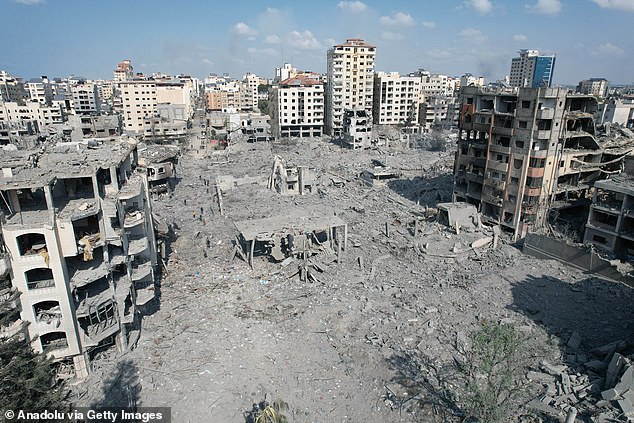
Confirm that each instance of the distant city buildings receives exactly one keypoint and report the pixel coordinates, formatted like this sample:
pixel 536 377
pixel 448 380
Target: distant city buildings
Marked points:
pixel 350 77
pixel 532 70
pixel 594 86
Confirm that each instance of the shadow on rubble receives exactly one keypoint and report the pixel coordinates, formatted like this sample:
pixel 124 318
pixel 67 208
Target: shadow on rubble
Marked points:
pixel 427 385
pixel 590 319
pixel 121 388
pixel 424 191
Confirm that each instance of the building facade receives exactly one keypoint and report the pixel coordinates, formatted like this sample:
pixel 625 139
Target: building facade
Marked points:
pixel 396 99
pixel 81 246
pixel 532 70
pixel 86 99
pixel 524 155
pixel 297 106
pixel 350 81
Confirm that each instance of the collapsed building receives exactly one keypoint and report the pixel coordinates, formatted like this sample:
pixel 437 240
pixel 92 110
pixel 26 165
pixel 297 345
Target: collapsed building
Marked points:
pixel 78 232
pixel 287 179
pixel 160 164
pixel 357 128
pixel 525 157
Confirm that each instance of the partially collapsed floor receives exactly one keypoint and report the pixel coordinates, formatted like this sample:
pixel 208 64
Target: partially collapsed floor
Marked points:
pixel 372 338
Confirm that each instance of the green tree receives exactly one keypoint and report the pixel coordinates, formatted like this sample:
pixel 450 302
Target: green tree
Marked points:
pixel 495 369
pixel 27 379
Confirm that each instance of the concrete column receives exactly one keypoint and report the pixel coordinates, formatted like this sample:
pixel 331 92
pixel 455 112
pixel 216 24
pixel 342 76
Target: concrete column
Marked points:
pixel 48 194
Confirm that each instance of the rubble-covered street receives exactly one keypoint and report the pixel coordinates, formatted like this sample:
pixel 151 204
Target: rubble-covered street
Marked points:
pixel 372 338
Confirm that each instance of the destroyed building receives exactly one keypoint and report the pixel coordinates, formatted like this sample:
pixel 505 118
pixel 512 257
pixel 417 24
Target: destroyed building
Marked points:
pixel 528 155
pixel 610 225
pixel 78 231
pixel 357 128
pixel 287 179
pixel 160 164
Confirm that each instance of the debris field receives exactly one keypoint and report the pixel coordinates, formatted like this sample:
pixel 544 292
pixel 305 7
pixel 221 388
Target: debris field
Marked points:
pixel 370 333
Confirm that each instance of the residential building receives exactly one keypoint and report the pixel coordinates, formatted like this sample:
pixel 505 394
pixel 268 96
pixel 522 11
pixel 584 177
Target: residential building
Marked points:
pixel 38 114
pixel 350 81
pixel 396 99
pixel 78 228
pixel 11 88
pixel 532 70
pixel 86 98
pixel 439 112
pixel 284 72
pixel 40 90
pixel 251 82
pixel 525 154
pixel 468 79
pixel 124 71
pixel 357 128
pixel 94 126
pixel 297 106
pixel 610 225
pixel 594 86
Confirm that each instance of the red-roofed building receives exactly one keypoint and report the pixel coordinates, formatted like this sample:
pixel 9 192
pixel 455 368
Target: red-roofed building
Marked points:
pixel 297 107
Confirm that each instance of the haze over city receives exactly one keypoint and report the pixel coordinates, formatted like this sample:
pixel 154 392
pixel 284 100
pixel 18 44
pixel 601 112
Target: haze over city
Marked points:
pixel 591 38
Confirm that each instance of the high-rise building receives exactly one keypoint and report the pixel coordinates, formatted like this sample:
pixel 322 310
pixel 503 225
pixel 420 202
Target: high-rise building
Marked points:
pixel 81 246
pixel 11 89
pixel 525 156
pixel 350 81
pixel 396 98
pixel 532 70
pixel 297 106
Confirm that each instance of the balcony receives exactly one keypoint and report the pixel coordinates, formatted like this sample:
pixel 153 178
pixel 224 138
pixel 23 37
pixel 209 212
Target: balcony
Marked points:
pixel 535 172
pixel 496 183
pixel 542 134
pixel 137 246
pixel 133 218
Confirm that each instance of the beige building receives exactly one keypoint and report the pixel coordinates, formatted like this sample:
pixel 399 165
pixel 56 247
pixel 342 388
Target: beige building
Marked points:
pixel 42 115
pixel 618 111
pixel 396 99
pixel 124 71
pixel 40 90
pixel 350 81
pixel 81 245
pixel 297 106
pixel 593 86
pixel 526 154
pixel 140 100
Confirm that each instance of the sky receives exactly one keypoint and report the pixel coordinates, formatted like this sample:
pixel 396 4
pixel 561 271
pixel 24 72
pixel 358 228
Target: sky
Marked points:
pixel 58 38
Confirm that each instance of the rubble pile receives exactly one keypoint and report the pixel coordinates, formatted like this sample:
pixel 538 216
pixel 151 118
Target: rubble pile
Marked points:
pixel 372 337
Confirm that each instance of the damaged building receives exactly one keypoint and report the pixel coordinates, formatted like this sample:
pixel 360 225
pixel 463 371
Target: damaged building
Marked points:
pixel 529 156
pixel 357 128
pixel 159 162
pixel 287 179
pixel 78 231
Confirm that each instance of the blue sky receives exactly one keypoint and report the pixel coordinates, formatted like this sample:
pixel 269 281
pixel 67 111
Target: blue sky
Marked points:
pixel 592 38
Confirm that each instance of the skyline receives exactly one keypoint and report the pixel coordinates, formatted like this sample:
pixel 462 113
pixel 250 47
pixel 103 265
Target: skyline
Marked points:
pixel 197 38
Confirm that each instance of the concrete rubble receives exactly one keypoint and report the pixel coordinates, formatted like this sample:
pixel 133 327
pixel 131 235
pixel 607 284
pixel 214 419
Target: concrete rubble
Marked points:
pixel 371 332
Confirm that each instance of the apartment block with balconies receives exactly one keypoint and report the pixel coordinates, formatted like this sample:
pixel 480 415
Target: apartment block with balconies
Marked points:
pixel 78 231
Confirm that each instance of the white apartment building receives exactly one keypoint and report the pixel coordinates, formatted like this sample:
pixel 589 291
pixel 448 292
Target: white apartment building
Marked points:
pixel 250 84
pixel 40 90
pixel 617 111
pixel 284 72
pixel 86 98
pixel 468 79
pixel 81 244
pixel 297 106
pixel 350 81
pixel 13 112
pixel 396 98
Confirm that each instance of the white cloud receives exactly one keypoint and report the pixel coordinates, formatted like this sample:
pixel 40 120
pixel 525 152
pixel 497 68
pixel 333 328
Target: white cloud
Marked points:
pixel 608 49
pixel 243 29
pixel 272 39
pixel 397 19
pixel 472 35
pixel 520 37
pixel 330 41
pixel 391 36
pixel 262 51
pixel 30 2
pixel 352 6
pixel 429 24
pixel 481 6
pixel 207 62
pixel 303 40
pixel 442 54
pixel 626 5
pixel 545 7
